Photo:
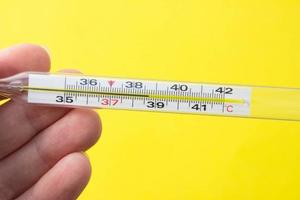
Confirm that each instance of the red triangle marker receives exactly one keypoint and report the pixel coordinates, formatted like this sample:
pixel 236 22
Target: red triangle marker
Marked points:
pixel 111 82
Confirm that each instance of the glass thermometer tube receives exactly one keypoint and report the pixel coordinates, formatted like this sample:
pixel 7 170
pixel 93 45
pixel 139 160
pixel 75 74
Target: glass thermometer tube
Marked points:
pixel 77 90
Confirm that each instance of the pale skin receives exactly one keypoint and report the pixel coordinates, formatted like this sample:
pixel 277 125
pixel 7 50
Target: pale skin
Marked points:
pixel 41 148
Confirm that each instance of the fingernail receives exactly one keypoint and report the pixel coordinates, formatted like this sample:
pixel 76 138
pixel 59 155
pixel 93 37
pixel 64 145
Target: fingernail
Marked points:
pixel 46 49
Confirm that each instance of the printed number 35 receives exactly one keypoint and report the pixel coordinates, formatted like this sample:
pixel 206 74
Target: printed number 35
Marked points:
pixel 67 99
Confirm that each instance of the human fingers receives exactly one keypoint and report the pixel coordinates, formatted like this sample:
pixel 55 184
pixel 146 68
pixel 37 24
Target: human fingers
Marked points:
pixel 75 132
pixel 65 180
pixel 20 122
pixel 23 57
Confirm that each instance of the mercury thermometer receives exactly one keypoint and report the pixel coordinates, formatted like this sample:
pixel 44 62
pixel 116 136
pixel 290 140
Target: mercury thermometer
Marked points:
pixel 77 90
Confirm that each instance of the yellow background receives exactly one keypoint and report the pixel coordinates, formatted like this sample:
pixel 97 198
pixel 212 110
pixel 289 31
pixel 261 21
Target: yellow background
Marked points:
pixel 144 155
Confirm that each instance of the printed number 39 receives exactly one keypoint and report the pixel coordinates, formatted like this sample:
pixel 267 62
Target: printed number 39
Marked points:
pixel 152 104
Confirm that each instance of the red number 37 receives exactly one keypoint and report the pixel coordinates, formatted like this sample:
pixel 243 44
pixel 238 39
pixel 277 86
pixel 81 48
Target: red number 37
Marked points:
pixel 107 102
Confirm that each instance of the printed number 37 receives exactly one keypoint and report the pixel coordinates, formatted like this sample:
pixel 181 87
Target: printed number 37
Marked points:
pixel 107 102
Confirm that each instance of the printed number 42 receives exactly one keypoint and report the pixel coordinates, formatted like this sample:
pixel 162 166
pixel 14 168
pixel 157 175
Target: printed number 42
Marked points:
pixel 226 90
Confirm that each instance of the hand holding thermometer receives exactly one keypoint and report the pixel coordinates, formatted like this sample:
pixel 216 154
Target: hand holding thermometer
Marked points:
pixel 76 90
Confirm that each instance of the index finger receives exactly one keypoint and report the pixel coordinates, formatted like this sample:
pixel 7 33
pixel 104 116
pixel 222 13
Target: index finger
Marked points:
pixel 23 57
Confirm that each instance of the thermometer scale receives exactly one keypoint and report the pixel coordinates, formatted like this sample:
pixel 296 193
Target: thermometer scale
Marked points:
pixel 77 90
